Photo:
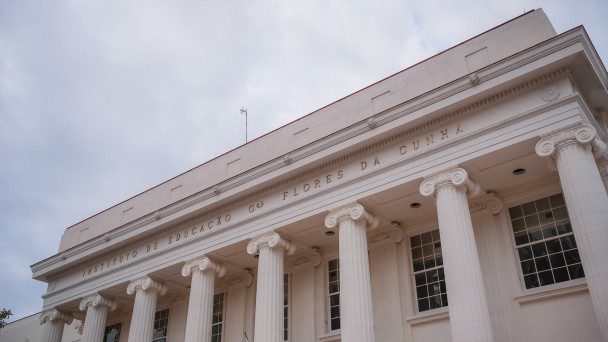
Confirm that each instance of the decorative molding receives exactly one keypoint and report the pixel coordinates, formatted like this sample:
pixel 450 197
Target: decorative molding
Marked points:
pixel 394 233
pixel 203 264
pixel 474 79
pixel 543 293
pixel 270 240
pixel 287 159
pixel 96 300
pixel 583 134
pixel 487 201
pixel 353 211
pixel 311 150
pixel 550 93
pixel 371 123
pixel 312 256
pixel 55 315
pixel 79 327
pixel 456 177
pixel 429 316
pixel 146 284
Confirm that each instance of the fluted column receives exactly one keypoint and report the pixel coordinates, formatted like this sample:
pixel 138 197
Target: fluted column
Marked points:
pixel 142 322
pixel 97 313
pixel 269 298
pixel 356 311
pixel 54 322
pixel 469 314
pixel 200 305
pixel 574 151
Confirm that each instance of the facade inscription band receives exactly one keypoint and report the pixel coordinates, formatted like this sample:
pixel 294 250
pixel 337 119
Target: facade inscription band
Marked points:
pixel 220 221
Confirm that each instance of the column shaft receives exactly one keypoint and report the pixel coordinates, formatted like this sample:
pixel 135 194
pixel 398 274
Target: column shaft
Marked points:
pixel 200 307
pixel 95 320
pixel 95 323
pixel 269 298
pixel 54 321
pixel 53 331
pixel 587 204
pixel 142 322
pixel 356 312
pixel 469 315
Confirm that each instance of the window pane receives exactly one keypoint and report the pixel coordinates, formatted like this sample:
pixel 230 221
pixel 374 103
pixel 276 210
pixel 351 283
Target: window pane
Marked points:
pixel 546 247
pixel 428 274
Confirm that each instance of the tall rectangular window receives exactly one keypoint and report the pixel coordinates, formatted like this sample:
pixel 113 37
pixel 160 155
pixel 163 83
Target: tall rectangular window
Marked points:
pixel 286 307
pixel 218 317
pixel 112 333
pixel 427 264
pixel 333 269
pixel 545 242
pixel 161 322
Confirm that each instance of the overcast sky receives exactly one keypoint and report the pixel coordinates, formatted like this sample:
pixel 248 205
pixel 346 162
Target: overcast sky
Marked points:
pixel 101 99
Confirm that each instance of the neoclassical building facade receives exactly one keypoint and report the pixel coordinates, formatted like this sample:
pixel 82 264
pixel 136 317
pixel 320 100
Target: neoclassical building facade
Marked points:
pixel 461 199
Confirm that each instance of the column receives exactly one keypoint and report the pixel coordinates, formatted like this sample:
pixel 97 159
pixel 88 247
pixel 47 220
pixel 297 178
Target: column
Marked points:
pixel 574 150
pixel 469 314
pixel 269 299
pixel 54 322
pixel 97 313
pixel 200 305
pixel 142 322
pixel 356 311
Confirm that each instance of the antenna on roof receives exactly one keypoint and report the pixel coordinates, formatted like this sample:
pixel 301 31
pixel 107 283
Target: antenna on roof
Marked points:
pixel 244 110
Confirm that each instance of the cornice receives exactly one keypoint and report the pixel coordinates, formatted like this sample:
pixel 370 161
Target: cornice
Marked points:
pixel 407 108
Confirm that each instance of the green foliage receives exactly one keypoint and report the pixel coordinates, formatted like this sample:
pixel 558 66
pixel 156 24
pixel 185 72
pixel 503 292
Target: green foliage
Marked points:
pixel 4 315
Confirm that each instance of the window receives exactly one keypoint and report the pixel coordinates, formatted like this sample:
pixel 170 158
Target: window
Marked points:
pixel 286 307
pixel 333 269
pixel 161 321
pixel 545 242
pixel 112 333
pixel 218 318
pixel 427 263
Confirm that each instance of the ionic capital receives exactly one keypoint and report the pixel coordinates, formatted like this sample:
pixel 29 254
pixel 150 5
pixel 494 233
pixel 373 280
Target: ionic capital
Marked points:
pixel 96 300
pixel 203 264
pixel 582 134
pixel 313 256
pixel 393 233
pixel 455 177
pixel 244 278
pixel 488 202
pixel 79 327
pixel 55 315
pixel 270 240
pixel 146 284
pixel 354 212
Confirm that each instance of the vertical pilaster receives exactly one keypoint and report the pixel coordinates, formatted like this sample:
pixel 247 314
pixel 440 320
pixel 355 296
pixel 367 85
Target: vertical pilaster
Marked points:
pixel 142 322
pixel 469 314
pixel 602 164
pixel 200 307
pixel 54 321
pixel 269 299
pixel 97 313
pixel 356 311
pixel 574 150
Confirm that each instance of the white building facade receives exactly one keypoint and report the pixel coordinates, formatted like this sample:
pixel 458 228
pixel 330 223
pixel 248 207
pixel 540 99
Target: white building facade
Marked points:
pixel 462 199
